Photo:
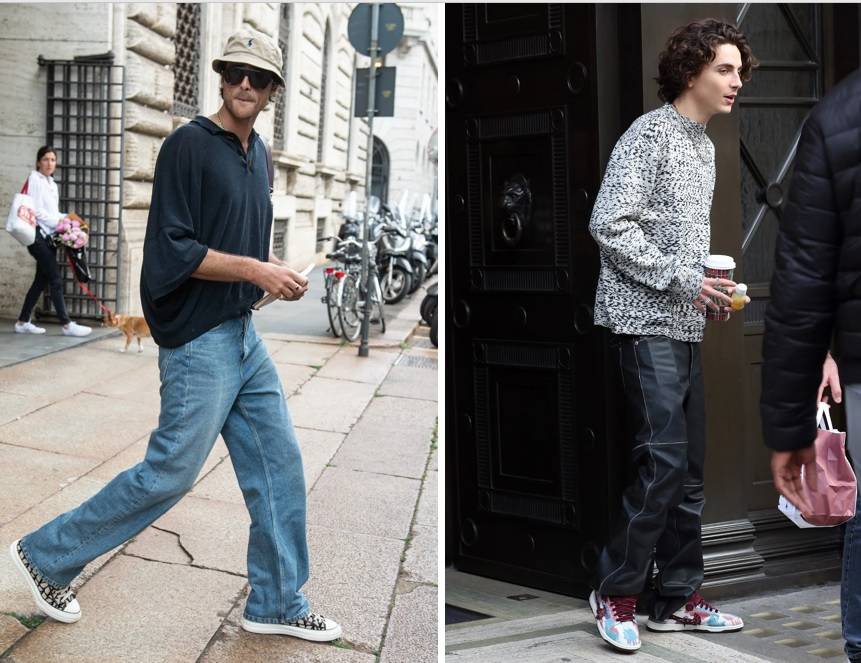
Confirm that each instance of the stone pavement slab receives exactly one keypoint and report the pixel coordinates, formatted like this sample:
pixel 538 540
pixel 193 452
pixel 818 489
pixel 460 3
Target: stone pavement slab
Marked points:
pixel 371 447
pixel 293 376
pixel 346 364
pixel 231 644
pixel 29 476
pixel 139 385
pixel 137 611
pixel 329 405
pixel 17 348
pixel 426 513
pixel 220 484
pixel 11 630
pixel 318 448
pixel 352 576
pixel 420 562
pixel 364 503
pixel 297 352
pixel 213 533
pixel 87 426
pixel 412 631
pixel 406 381
pixel 15 406
pixel 65 373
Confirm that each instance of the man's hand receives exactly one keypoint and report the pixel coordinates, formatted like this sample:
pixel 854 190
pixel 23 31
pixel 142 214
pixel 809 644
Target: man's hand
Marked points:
pixel 708 291
pixel 280 280
pixel 786 472
pixel 830 379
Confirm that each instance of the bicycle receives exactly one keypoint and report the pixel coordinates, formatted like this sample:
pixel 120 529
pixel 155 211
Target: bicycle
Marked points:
pixel 351 295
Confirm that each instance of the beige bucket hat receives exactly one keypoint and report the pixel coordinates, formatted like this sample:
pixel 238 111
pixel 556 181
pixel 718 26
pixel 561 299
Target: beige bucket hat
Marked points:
pixel 253 48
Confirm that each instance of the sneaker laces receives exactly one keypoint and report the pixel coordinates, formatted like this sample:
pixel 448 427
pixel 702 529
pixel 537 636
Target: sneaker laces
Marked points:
pixel 64 596
pixel 623 607
pixel 311 620
pixel 697 601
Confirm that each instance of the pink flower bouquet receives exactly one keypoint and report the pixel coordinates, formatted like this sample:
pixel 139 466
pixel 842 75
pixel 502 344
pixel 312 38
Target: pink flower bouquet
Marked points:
pixel 71 231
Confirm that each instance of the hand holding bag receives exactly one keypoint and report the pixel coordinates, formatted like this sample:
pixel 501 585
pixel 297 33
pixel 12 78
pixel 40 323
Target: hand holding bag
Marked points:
pixel 833 500
pixel 21 222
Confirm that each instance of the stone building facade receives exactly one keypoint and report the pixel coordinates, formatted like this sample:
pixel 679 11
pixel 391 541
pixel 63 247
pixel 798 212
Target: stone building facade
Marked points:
pixel 165 49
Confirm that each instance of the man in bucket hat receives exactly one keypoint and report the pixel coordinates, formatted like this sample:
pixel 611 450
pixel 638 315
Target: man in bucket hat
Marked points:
pixel 206 261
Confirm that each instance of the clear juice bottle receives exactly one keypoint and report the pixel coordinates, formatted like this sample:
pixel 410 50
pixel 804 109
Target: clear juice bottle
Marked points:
pixel 738 297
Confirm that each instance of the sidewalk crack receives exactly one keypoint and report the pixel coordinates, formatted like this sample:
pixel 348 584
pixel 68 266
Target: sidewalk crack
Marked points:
pixel 178 542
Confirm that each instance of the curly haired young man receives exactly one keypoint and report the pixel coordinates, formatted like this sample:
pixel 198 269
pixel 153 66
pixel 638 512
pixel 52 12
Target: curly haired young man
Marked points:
pixel 651 222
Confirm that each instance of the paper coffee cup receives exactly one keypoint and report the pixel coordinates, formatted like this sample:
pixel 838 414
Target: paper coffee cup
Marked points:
pixel 719 267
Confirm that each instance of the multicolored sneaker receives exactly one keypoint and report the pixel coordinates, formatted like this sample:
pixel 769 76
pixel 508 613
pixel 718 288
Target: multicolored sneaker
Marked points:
pixel 616 621
pixel 697 615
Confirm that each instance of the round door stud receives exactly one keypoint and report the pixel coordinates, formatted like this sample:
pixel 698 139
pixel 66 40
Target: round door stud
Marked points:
pixel 468 532
pixel 774 195
pixel 577 77
pixel 514 84
pixel 583 319
pixel 453 93
pixel 462 314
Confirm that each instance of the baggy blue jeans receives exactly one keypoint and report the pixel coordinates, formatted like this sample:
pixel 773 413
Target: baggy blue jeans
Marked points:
pixel 221 382
pixel 850 585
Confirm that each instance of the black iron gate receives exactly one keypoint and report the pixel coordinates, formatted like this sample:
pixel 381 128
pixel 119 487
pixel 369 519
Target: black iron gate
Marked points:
pixel 85 126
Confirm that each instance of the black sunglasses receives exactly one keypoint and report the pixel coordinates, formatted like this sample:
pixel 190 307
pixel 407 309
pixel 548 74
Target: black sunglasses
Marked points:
pixel 258 78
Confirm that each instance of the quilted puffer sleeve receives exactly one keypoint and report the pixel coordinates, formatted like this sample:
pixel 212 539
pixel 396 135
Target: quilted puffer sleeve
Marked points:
pixel 799 317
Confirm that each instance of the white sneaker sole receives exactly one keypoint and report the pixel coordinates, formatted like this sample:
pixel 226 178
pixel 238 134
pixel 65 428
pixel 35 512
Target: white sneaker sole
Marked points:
pixel 42 604
pixel 675 626
pixel 294 631
pixel 621 646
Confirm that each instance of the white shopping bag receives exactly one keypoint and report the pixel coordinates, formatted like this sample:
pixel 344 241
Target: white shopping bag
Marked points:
pixel 20 215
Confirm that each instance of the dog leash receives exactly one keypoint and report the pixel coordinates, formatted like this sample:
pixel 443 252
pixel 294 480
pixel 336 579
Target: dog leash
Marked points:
pixel 104 308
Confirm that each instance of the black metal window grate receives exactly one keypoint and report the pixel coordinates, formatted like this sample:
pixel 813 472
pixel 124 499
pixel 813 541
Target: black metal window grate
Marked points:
pixel 321 125
pixel 281 100
pixel 321 234
pixel 279 237
pixel 187 64
pixel 85 126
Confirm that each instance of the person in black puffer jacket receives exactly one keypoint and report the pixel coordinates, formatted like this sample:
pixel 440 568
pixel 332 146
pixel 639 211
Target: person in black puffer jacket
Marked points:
pixel 816 299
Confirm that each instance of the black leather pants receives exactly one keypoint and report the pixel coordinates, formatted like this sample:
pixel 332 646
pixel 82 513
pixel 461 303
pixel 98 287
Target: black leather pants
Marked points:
pixel 660 519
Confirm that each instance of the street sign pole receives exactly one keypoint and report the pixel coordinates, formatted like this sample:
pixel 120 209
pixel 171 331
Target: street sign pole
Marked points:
pixel 369 158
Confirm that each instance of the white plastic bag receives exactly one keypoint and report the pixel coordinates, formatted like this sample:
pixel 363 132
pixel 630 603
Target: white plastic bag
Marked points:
pixel 17 224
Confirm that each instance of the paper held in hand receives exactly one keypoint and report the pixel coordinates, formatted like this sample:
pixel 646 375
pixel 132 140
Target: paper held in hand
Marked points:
pixel 268 298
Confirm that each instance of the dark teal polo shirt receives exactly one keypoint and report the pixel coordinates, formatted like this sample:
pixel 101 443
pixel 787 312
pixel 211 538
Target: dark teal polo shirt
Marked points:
pixel 207 193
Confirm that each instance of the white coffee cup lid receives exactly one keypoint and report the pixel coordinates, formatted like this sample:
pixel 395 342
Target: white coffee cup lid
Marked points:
pixel 720 262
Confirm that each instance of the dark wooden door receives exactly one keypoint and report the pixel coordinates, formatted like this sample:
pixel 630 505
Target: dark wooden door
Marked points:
pixel 526 425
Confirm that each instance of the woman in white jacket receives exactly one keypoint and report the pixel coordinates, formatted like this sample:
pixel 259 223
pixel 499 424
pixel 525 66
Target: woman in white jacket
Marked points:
pixel 43 190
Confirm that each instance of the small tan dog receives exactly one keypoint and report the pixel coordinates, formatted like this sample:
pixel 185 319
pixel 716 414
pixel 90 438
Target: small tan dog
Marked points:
pixel 133 326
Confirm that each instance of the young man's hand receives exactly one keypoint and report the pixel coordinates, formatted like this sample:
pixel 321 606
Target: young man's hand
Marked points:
pixel 786 473
pixel 281 280
pixel 708 291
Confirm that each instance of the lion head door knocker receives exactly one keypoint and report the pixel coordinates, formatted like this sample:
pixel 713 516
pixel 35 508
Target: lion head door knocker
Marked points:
pixel 516 203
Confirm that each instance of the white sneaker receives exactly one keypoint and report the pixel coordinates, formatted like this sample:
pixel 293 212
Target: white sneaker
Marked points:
pixel 28 328
pixel 57 602
pixel 311 627
pixel 74 329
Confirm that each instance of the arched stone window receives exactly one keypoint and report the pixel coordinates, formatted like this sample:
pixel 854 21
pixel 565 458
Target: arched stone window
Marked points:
pixel 186 67
pixel 380 171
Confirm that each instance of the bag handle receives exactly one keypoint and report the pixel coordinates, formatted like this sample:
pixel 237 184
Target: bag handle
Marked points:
pixel 823 415
pixel 26 188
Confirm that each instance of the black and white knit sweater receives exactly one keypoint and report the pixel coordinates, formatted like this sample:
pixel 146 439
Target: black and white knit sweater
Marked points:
pixel 651 222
